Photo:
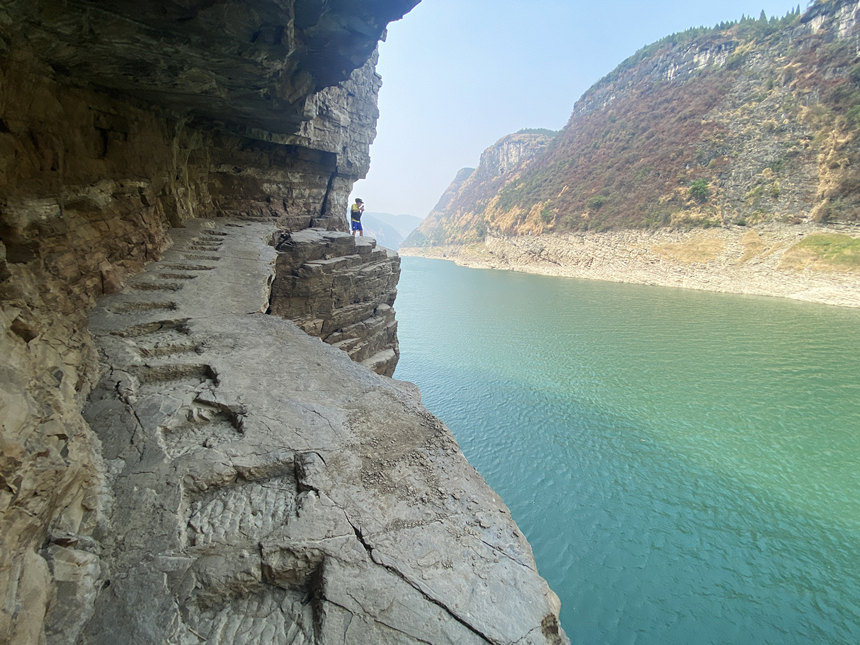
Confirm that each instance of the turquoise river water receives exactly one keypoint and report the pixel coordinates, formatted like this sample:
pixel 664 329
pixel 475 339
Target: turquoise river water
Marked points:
pixel 686 465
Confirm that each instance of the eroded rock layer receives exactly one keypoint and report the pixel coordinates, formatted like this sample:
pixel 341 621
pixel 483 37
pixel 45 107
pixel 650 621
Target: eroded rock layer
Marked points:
pixel 255 67
pixel 231 479
pixel 340 288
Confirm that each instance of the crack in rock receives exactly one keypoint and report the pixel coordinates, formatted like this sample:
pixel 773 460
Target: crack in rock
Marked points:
pixel 369 549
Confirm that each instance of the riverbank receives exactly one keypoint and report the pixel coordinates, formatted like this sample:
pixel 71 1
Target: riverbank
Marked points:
pixel 803 262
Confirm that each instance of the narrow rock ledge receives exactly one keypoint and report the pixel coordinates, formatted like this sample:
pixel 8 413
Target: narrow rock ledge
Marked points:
pixel 264 488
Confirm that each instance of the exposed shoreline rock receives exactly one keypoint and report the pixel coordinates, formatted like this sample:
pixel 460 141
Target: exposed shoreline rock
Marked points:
pixel 743 260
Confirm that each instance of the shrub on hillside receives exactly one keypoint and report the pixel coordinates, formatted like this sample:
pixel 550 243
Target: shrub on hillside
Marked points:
pixel 699 190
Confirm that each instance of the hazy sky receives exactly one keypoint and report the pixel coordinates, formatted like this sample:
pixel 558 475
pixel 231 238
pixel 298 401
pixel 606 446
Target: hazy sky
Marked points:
pixel 460 74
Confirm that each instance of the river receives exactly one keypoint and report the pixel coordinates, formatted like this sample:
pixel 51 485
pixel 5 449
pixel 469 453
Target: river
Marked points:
pixel 686 465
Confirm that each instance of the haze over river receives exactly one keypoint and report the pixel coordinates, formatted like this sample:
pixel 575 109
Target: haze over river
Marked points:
pixel 686 465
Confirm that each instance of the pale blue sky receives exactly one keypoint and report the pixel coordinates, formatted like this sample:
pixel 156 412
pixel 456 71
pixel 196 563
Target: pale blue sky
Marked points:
pixel 460 74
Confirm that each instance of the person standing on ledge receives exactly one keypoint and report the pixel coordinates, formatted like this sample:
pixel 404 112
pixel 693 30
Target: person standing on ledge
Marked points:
pixel 355 212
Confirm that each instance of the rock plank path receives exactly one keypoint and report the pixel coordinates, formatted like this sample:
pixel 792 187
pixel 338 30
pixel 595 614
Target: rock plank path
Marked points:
pixel 260 487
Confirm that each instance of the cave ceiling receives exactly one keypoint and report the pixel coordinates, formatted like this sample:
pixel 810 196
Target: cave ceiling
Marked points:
pixel 248 64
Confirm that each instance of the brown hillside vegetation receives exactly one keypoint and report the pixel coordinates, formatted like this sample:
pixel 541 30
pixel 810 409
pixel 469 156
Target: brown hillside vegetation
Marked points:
pixel 745 123
pixel 459 214
pixel 598 176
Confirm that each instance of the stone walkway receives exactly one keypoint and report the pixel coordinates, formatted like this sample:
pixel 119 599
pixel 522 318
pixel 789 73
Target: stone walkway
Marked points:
pixel 260 487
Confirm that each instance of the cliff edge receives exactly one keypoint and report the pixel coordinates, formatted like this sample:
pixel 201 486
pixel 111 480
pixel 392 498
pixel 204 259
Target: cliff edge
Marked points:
pixel 178 466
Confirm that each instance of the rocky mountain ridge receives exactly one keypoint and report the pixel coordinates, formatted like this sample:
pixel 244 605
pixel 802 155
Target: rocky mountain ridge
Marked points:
pixel 748 124
pixel 460 212
pixel 761 115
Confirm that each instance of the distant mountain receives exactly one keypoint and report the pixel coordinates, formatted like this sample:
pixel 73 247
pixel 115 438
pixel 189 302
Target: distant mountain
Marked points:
pixel 389 230
pixel 749 122
pixel 459 213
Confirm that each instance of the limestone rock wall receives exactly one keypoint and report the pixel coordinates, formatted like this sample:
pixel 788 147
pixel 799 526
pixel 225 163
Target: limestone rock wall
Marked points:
pixel 118 121
pixel 340 288
pixel 176 466
pixel 83 205
pixel 255 67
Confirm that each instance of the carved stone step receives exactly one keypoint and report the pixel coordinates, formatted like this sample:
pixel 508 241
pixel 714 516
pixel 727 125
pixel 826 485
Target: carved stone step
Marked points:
pixel 244 511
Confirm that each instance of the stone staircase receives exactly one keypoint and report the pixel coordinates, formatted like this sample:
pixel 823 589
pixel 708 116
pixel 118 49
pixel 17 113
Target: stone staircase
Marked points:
pixel 261 487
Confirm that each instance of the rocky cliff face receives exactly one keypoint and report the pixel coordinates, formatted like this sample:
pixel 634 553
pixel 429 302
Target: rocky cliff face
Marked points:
pixel 749 122
pixel 751 128
pixel 459 214
pixel 340 288
pixel 121 125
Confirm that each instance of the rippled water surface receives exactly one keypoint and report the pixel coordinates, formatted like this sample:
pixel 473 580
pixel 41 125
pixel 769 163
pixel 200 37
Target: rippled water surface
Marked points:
pixel 685 465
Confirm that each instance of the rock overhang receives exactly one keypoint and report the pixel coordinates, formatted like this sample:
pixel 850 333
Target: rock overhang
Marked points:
pixel 113 168
pixel 247 65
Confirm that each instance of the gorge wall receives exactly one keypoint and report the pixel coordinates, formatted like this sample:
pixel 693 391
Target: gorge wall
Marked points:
pixel 747 129
pixel 459 215
pixel 122 127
